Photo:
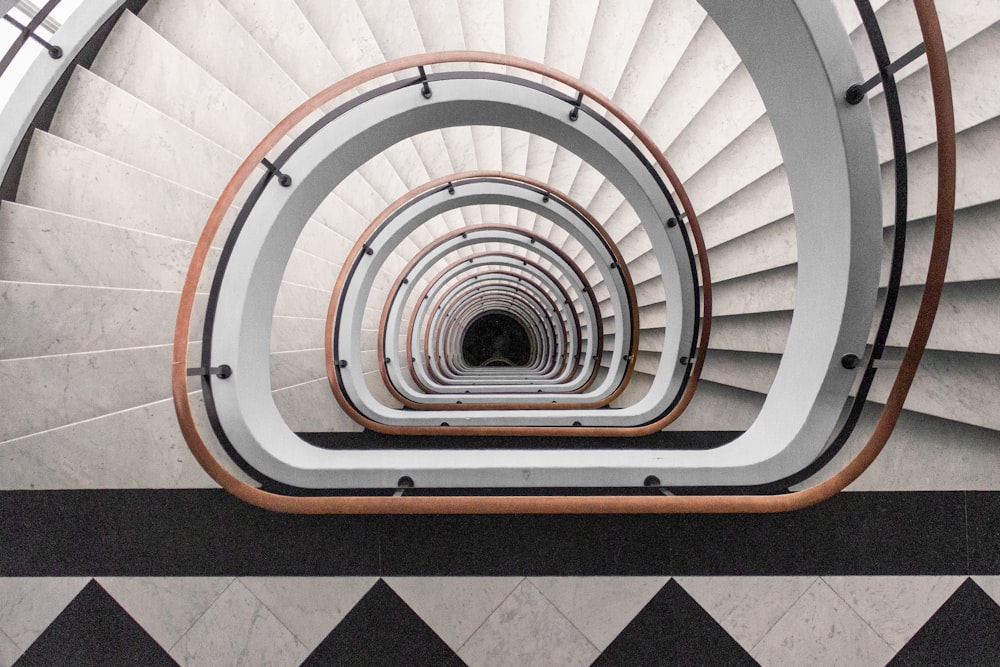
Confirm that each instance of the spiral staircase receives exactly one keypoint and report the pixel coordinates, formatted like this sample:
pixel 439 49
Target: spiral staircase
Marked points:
pixel 112 194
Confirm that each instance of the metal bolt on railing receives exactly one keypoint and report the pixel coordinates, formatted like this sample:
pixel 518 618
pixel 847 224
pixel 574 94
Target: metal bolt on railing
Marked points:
pixel 575 111
pixel 222 372
pixel 284 180
pixel 55 52
pixel 425 88
pixel 857 92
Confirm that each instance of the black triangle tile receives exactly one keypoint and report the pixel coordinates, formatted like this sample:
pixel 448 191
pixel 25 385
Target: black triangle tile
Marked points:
pixel 93 629
pixel 673 629
pixel 382 630
pixel 964 631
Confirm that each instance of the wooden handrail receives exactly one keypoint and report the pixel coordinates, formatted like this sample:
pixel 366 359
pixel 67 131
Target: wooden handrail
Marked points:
pixel 503 301
pixel 945 129
pixel 492 278
pixel 458 178
pixel 409 337
pixel 356 415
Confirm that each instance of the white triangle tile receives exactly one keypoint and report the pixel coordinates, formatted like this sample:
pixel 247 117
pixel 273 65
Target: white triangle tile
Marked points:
pixel 746 607
pixel 527 629
pixel 238 630
pixel 990 585
pixel 166 607
pixel 453 606
pixel 599 607
pixel 895 607
pixel 822 629
pixel 309 606
pixel 28 605
pixel 9 651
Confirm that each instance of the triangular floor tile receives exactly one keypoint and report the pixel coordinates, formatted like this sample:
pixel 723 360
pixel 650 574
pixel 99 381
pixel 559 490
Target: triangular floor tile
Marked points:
pixel 746 607
pixel 166 607
pixel 599 607
pixel 9 651
pixel 309 606
pixel 94 630
pixel 822 629
pixel 990 586
pixel 673 629
pixel 895 607
pixel 527 629
pixel 453 606
pixel 382 630
pixel 28 605
pixel 238 629
pixel 964 631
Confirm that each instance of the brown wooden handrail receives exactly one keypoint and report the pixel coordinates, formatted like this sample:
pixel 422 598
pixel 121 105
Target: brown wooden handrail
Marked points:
pixel 458 178
pixel 464 290
pixel 478 406
pixel 466 309
pixel 945 127
pixel 331 369
pixel 504 281
pixel 385 310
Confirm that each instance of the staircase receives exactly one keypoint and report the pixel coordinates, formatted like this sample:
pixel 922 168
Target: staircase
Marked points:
pixel 113 196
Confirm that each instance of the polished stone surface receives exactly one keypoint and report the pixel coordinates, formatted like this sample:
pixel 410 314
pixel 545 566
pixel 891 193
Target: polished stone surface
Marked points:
pixel 820 627
pixel 454 607
pixel 747 607
pixel 238 630
pixel 895 607
pixel 527 628
pixel 599 607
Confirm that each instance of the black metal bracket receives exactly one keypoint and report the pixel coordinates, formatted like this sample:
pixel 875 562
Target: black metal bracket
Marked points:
pixel 425 89
pixel 850 361
pixel 857 92
pixel 284 180
pixel 55 52
pixel 367 249
pixel 221 372
pixel 545 200
pixel 405 482
pixel 575 111
pixel 451 188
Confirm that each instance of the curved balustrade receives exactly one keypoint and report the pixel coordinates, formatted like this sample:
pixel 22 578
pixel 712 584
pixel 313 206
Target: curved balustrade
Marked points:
pixel 485 186
pixel 427 300
pixel 556 294
pixel 498 291
pixel 437 196
pixel 470 236
pixel 822 140
pixel 540 277
pixel 457 311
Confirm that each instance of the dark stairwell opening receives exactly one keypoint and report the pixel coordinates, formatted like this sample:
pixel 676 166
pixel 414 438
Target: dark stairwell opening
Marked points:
pixel 496 339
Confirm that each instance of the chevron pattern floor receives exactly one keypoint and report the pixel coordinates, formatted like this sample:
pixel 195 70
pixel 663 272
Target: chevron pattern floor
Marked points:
pixel 565 621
